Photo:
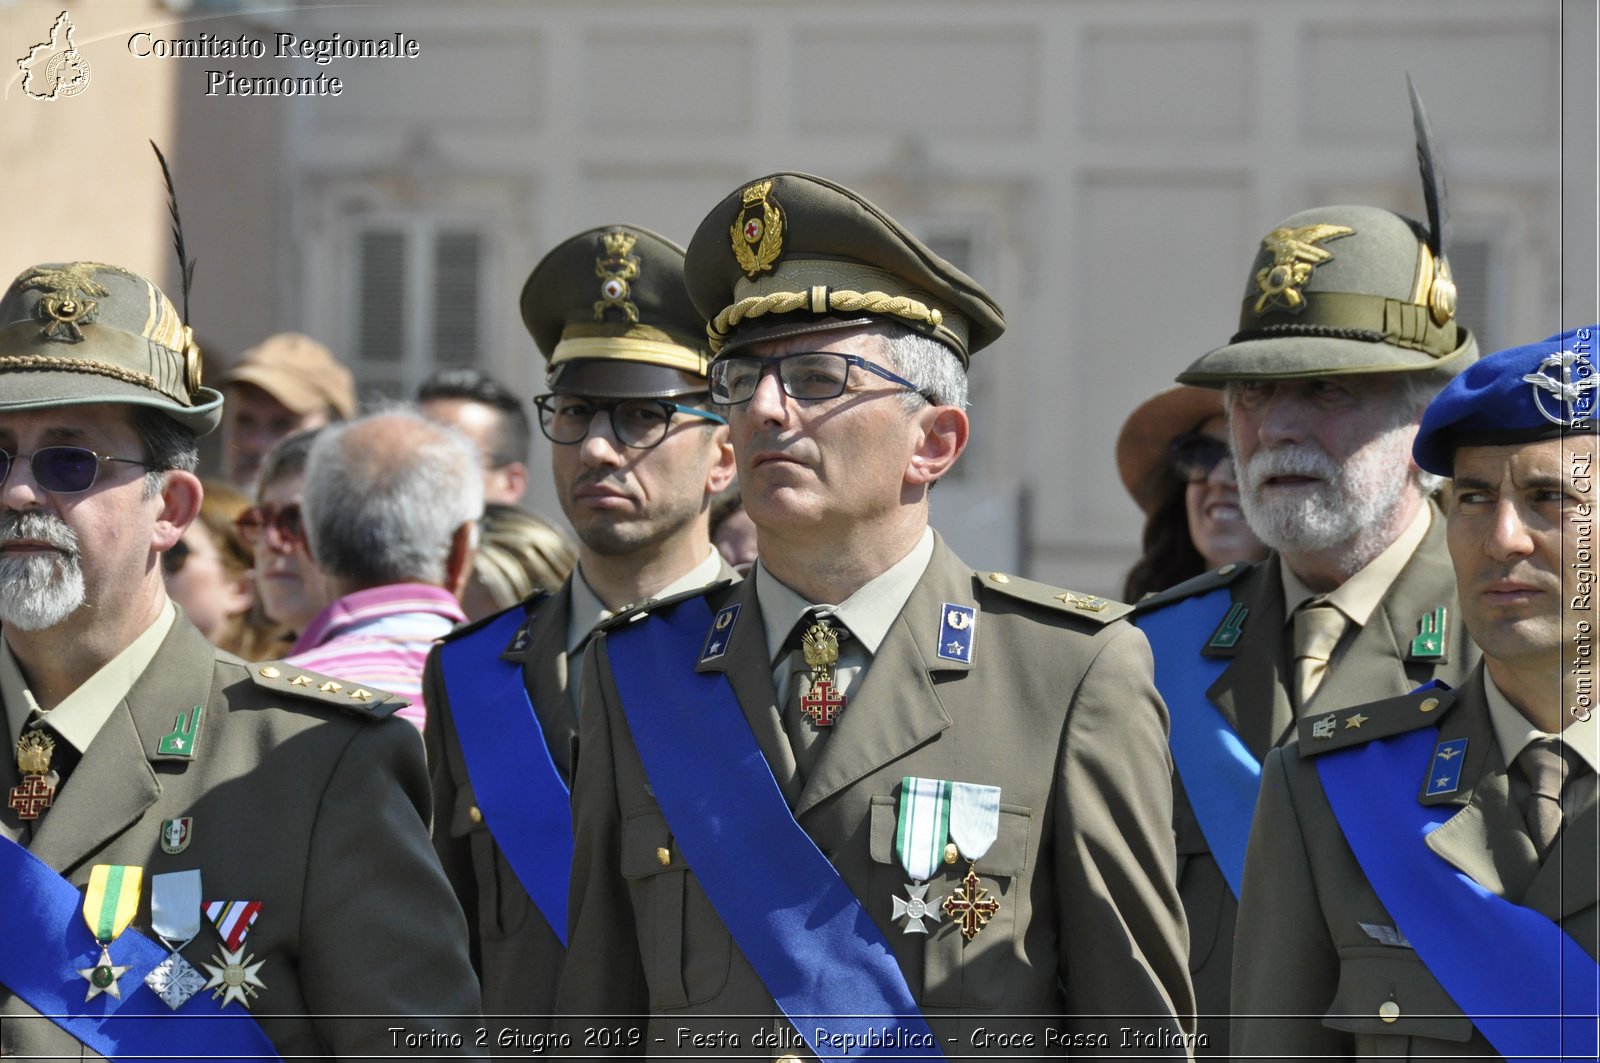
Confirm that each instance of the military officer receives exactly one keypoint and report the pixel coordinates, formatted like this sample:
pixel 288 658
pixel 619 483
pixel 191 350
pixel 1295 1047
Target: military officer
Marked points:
pixel 1421 878
pixel 868 781
pixel 240 849
pixel 1347 328
pixel 637 456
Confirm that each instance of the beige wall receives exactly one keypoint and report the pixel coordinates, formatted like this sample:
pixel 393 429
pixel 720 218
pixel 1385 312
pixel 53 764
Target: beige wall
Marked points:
pixel 1109 164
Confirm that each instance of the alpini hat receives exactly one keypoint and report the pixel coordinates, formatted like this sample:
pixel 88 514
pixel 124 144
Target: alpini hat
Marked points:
pixel 74 333
pixel 609 313
pixel 790 254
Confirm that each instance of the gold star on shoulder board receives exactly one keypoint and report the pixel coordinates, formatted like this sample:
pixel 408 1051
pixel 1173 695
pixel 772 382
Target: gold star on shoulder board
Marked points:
pixel 235 980
pixel 1352 723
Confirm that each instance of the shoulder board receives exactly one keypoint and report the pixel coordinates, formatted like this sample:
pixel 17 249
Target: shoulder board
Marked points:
pixel 1090 607
pixel 629 613
pixel 1344 728
pixel 282 678
pixel 1206 581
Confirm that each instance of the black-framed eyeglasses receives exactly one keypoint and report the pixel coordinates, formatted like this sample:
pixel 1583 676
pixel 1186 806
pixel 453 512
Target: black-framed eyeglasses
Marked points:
pixel 1194 454
pixel 805 375
pixel 63 470
pixel 174 557
pixel 637 423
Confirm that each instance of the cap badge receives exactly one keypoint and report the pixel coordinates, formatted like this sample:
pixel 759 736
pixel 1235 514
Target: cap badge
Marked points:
pixel 616 267
pixel 1563 388
pixel 1294 255
pixel 67 303
pixel 757 233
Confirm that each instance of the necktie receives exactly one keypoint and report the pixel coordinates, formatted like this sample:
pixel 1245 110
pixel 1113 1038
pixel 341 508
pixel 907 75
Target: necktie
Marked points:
pixel 1317 628
pixel 1546 763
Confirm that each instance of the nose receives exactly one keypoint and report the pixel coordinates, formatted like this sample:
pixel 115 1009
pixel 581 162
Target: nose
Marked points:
pixel 1508 536
pixel 18 490
pixel 1281 418
pixel 600 448
pixel 769 403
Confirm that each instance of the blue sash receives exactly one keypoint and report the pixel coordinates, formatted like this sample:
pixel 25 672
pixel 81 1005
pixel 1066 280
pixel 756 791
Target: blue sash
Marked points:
pixel 46 942
pixel 1509 968
pixel 815 948
pixel 1219 773
pixel 518 789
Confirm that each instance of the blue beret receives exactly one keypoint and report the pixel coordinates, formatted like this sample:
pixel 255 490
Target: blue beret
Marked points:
pixel 1516 396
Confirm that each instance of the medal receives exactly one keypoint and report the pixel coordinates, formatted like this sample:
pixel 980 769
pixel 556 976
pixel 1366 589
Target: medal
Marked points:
pixel 175 919
pixel 234 976
pixel 37 790
pixel 974 825
pixel 108 907
pixel 919 837
pixel 821 704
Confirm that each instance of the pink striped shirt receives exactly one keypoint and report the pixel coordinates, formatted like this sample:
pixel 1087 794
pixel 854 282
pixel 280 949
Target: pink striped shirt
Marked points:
pixel 380 637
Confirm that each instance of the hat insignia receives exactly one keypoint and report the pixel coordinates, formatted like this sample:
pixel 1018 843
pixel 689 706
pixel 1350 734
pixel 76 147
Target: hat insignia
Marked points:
pixel 1567 381
pixel 757 233
pixel 615 267
pixel 68 301
pixel 1294 255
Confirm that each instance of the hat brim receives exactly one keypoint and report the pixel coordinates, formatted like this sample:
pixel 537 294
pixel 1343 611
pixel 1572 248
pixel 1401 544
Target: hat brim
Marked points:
pixel 616 379
pixel 1155 423
pixel 48 389
pixel 287 388
pixel 1291 357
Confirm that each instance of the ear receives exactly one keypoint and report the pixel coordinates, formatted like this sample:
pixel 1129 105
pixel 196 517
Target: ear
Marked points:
pixel 458 564
pixel 516 478
pixel 943 437
pixel 239 593
pixel 180 499
pixel 724 470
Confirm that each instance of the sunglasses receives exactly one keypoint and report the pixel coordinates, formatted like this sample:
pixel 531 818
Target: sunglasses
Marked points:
pixel 1194 454
pixel 278 526
pixel 63 470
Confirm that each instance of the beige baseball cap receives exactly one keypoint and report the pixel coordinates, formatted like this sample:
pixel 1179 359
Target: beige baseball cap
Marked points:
pixel 297 371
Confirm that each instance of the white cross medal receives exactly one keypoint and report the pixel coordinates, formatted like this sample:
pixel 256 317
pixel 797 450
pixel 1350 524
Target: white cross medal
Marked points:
pixel 919 839
pixel 175 919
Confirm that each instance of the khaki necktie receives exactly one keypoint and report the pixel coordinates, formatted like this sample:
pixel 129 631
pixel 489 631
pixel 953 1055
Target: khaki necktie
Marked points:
pixel 1317 628
pixel 1547 763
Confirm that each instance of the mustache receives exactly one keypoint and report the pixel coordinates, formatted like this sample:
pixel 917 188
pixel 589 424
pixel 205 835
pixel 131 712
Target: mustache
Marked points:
pixel 39 527
pixel 1289 460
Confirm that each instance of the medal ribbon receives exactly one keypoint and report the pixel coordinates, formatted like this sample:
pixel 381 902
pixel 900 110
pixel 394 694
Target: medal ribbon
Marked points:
pixel 175 906
pixel 924 825
pixel 233 920
pixel 111 900
pixel 974 817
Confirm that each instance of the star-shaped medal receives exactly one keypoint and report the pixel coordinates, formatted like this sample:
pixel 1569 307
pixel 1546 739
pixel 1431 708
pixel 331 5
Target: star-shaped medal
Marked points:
pixel 917 908
pixel 102 977
pixel 175 980
pixel 235 980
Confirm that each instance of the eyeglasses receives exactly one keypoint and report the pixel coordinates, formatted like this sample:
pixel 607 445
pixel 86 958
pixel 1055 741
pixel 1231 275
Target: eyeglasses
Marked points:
pixel 268 523
pixel 63 470
pixel 172 561
pixel 805 375
pixel 637 423
pixel 1194 454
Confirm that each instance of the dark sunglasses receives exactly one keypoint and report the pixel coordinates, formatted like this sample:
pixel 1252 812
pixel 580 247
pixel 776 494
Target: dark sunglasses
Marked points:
pixel 172 561
pixel 269 523
pixel 1194 454
pixel 63 470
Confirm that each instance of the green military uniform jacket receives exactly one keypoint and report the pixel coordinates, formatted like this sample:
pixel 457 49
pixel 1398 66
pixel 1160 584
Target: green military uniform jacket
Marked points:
pixel 1303 953
pixel 309 801
pixel 1253 693
pixel 1056 708
pixel 517 955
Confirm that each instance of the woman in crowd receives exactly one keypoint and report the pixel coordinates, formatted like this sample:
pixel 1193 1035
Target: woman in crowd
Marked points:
pixel 289 586
pixel 209 574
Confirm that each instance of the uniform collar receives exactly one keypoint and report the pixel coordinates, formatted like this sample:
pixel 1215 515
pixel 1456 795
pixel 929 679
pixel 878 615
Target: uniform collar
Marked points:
pixel 868 613
pixel 589 612
pixel 83 712
pixel 1359 596
pixel 1513 731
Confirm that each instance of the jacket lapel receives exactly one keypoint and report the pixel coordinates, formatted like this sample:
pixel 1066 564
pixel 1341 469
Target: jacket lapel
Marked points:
pixel 114 784
pixel 896 707
pixel 544 673
pixel 1252 692
pixel 1566 883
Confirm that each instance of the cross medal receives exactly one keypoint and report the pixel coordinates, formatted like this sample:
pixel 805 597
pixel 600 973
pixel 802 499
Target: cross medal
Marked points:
pixel 821 704
pixel 37 790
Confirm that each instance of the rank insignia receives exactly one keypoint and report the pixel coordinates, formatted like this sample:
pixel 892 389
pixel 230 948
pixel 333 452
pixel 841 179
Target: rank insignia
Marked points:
pixel 970 906
pixel 957 625
pixel 757 233
pixel 1228 633
pixel 176 834
pixel 1444 774
pixel 616 267
pixel 1429 643
pixel 1294 255
pixel 185 734
pixel 916 907
pixel 717 637
pixel 1323 728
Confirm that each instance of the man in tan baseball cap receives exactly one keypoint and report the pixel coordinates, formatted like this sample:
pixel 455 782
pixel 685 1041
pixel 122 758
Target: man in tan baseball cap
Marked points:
pixel 287 383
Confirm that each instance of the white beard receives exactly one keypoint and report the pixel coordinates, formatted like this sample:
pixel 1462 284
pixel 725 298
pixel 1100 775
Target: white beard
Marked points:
pixel 43 589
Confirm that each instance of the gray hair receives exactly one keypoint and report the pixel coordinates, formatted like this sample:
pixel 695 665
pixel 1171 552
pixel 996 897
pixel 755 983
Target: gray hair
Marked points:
pixel 384 494
pixel 167 445
pixel 930 365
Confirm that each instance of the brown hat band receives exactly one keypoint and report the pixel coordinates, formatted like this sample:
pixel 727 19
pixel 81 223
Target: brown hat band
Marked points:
pixel 1350 315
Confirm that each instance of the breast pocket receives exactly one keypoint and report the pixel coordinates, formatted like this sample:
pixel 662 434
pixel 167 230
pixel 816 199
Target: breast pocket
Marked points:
pixel 1389 1000
pixel 503 905
pixel 685 947
pixel 956 971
